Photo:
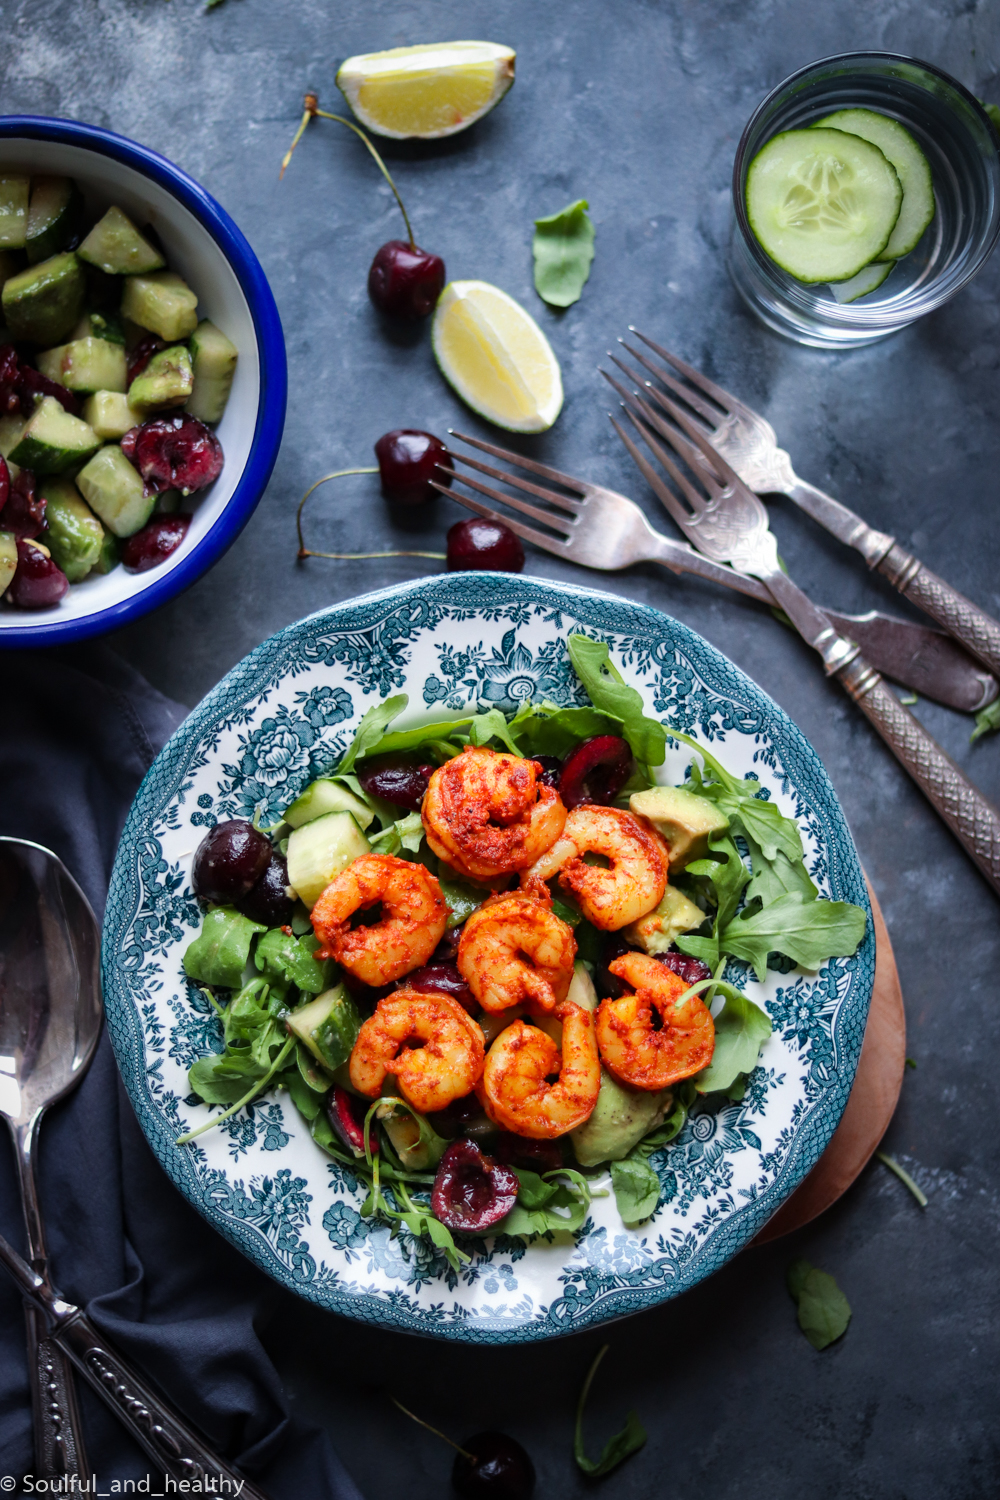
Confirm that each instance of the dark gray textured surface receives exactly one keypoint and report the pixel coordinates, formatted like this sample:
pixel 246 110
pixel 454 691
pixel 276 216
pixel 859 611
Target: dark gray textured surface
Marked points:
pixel 638 108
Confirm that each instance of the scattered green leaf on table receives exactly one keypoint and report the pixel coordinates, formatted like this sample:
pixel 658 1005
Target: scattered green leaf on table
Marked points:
pixel 563 249
pixel 371 730
pixel 619 1447
pixel 218 955
pixel 988 718
pixel 903 1175
pixel 741 1029
pixel 610 694
pixel 824 1311
pixel 636 1187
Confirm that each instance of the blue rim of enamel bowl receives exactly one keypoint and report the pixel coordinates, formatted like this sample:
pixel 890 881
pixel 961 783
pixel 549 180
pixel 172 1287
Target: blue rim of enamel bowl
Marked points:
pixel 273 377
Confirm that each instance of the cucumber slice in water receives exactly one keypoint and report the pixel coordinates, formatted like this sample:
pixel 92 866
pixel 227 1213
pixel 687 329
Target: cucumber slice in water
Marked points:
pixel 868 279
pixel 912 169
pixel 822 203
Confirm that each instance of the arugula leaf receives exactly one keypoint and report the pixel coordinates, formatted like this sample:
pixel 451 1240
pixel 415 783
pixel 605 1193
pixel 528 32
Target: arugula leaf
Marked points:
pixel 541 1199
pixel 824 1311
pixel 609 693
pixel 461 897
pixel 777 877
pixel 491 725
pixel 636 1187
pixel 218 955
pixel 285 959
pixel 724 867
pixel 563 248
pixel 425 734
pixel 405 833
pixel 674 1122
pixel 741 1029
pixel 988 718
pixel 216 1087
pixel 371 730
pixel 809 932
pixel 257 1087
pixel 546 729
pixel 619 1447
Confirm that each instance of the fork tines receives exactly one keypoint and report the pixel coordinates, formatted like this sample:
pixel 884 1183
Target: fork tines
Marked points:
pixel 562 510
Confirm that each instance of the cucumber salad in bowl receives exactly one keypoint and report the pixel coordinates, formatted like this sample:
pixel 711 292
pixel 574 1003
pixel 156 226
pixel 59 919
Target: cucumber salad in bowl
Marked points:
pixel 487 957
pixel 110 387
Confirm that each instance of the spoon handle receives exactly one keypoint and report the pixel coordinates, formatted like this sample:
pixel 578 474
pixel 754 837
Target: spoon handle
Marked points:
pixel 59 1452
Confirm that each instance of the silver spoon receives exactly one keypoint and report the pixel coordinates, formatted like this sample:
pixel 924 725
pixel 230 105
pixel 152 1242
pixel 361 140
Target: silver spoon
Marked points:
pixel 50 1020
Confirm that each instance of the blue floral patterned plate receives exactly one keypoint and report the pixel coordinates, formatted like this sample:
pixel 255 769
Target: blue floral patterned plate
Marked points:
pixel 283 716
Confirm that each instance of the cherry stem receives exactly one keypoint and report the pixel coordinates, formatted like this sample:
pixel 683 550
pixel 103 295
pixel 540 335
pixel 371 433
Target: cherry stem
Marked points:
pixel 419 1420
pixel 312 108
pixel 305 551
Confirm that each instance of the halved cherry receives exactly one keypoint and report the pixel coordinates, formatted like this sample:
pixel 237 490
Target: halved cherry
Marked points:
pixel 595 771
pixel 343 1111
pixel 174 453
pixel 441 979
pixel 691 970
pixel 472 1191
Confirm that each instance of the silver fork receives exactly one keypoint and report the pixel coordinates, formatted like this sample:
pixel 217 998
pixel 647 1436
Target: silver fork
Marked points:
pixel 749 444
pixel 728 523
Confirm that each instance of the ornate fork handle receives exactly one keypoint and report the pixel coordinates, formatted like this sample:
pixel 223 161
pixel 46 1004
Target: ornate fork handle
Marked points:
pixel 59 1449
pixel 973 820
pixel 978 631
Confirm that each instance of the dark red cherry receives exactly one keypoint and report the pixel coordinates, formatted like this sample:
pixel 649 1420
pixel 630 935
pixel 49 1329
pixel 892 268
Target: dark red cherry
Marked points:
pixel 347 1116
pixel 154 542
pixel 691 970
pixel 401 779
pixel 267 899
pixel 32 384
pixel 405 281
pixel 441 979
pixel 472 1191
pixel 500 1469
pixel 478 544
pixel 551 770
pixel 139 357
pixel 520 1151
pixel 229 861
pixel 174 453
pixel 595 771
pixel 24 512
pixel 37 583
pixel 10 395
pixel 4 483
pixel 408 460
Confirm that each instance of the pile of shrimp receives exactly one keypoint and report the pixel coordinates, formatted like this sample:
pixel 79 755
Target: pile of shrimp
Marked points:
pixel 530 1053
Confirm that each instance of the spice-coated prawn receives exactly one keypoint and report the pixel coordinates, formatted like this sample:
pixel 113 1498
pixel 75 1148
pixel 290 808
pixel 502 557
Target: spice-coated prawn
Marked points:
pixel 431 1044
pixel 411 925
pixel 637 857
pixel 515 1089
pixel 514 950
pixel 633 1049
pixel 487 814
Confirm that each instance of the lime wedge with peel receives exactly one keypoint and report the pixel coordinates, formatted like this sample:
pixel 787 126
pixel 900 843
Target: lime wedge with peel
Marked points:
pixel 429 91
pixel 496 357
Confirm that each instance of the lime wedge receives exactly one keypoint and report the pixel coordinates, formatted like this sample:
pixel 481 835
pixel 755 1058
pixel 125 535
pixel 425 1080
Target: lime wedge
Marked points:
pixel 496 357
pixel 428 91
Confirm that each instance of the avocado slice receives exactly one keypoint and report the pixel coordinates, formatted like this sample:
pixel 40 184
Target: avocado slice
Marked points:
pixel 85 365
pixel 42 303
pixel 166 381
pixel 620 1119
pixel 655 932
pixel 162 303
pixel 683 818
pixel 73 533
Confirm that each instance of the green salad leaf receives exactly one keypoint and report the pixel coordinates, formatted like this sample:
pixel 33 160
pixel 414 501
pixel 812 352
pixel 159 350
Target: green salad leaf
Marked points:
pixel 219 954
pixel 824 1311
pixel 211 1082
pixel 284 959
pixel 741 1029
pixel 555 1201
pixel 609 693
pixel 809 932
pixel 491 725
pixel 371 730
pixel 425 734
pixel 462 897
pixel 636 1188
pixel 619 1447
pixel 405 833
pixel 563 248
pixel 546 729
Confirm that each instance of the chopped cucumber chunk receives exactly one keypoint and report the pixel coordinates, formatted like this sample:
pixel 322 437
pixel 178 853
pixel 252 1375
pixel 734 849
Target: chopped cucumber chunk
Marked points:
pixel 73 533
pixel 325 796
pixel 13 211
pixel 320 850
pixel 867 280
pixel 116 247
pixel 214 358
pixel 329 1026
pixel 114 489
pixel 11 427
pixel 167 380
pixel 8 559
pixel 822 203
pixel 55 217
pixel 912 169
pixel 111 554
pixel 103 324
pixel 43 303
pixel 162 303
pixel 85 365
pixel 110 415
pixel 54 440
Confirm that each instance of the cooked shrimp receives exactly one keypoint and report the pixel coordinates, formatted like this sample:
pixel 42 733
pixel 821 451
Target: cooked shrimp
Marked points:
pixel 410 926
pixel 514 949
pixel 515 1088
pixel 636 1053
pixel 431 1044
pixel 488 815
pixel 638 859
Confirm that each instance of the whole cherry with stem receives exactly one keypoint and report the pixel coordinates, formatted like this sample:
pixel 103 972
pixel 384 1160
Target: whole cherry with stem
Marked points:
pixel 404 280
pixel 490 1465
